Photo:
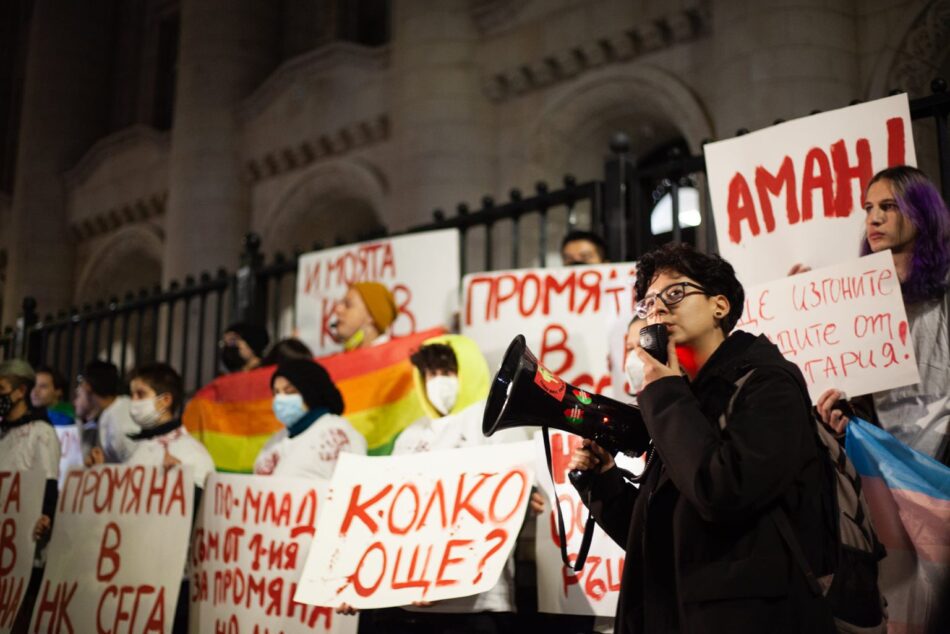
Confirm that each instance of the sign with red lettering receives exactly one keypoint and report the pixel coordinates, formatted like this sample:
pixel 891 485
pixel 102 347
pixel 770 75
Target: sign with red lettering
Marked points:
pixel 792 193
pixel 421 270
pixel 843 325
pixel 418 527
pixel 250 543
pixel 565 314
pixel 117 555
pixel 593 590
pixel 21 504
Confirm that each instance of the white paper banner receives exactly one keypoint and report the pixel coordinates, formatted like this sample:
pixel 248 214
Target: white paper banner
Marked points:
pixel 117 555
pixel 792 193
pixel 21 504
pixel 843 325
pixel 571 317
pixel 418 527
pixel 593 590
pixel 421 270
pixel 251 540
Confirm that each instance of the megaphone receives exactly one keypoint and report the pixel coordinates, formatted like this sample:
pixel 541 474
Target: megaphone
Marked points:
pixel 525 393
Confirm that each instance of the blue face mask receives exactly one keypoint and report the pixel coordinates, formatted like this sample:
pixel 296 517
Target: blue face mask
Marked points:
pixel 289 408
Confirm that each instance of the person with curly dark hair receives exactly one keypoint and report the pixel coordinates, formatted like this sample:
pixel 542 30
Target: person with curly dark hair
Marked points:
pixel 705 552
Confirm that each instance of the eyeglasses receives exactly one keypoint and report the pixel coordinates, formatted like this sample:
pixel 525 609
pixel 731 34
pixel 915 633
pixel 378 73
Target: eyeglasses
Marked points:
pixel 670 296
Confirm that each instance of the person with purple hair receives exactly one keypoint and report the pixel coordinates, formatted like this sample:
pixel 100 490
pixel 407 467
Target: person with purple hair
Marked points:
pixel 906 214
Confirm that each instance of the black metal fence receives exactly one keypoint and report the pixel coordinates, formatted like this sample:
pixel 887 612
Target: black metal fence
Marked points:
pixel 183 323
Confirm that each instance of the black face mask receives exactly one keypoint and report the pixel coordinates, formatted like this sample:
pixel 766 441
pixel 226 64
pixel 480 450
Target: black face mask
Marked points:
pixel 231 358
pixel 6 404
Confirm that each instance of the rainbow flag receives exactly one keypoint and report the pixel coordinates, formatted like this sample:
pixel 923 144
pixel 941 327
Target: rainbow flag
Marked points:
pixel 232 415
pixel 909 497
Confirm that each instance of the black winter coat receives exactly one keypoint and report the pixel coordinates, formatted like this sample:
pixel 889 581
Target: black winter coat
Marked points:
pixel 702 552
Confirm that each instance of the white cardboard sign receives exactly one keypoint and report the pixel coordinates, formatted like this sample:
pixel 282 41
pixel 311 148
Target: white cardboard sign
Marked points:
pixel 593 590
pixel 566 314
pixel 21 504
pixel 792 193
pixel 250 543
pixel 843 325
pixel 418 527
pixel 117 554
pixel 421 270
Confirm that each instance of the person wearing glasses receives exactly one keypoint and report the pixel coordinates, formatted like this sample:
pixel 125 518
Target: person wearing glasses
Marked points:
pixel 705 552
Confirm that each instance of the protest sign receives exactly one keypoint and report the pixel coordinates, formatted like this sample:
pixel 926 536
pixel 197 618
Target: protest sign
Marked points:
pixel 117 555
pixel 21 504
pixel 565 314
pixel 418 527
pixel 251 540
pixel 843 325
pixel 421 270
pixel 792 193
pixel 594 589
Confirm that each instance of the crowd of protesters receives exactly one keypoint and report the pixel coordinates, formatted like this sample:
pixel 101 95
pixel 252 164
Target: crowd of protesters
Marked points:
pixel 703 553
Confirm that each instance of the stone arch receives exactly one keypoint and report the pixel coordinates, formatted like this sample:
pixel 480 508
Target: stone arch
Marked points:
pixel 651 105
pixel 127 260
pixel 335 200
pixel 923 54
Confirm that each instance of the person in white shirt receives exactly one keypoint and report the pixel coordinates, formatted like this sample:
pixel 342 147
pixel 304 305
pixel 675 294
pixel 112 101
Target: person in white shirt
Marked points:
pixel 309 405
pixel 28 443
pixel 97 399
pixel 451 380
pixel 157 397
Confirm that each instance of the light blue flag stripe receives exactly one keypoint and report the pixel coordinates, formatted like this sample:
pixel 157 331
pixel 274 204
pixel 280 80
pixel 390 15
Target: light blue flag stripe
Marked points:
pixel 877 454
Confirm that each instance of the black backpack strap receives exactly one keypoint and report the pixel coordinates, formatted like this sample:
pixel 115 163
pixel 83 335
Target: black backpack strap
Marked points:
pixel 780 519
pixel 562 535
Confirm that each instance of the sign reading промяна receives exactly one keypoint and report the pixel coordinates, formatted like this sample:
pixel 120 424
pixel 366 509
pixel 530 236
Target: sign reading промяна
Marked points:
pixel 117 554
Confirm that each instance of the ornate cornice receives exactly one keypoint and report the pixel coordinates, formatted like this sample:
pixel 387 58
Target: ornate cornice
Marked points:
pixel 138 210
pixel 673 29
pixel 927 43
pixel 331 144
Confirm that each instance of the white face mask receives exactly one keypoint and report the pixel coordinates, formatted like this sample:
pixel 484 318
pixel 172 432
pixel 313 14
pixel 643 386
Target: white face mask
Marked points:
pixel 634 371
pixel 289 408
pixel 144 413
pixel 442 392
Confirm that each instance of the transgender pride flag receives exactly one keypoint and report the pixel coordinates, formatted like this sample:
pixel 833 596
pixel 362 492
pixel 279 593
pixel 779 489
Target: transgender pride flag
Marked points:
pixel 909 497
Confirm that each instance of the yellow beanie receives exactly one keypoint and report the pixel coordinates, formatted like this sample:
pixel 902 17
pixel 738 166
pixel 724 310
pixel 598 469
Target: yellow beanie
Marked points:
pixel 379 302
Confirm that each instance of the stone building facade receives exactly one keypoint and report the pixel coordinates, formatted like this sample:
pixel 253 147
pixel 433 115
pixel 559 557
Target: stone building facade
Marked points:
pixel 144 138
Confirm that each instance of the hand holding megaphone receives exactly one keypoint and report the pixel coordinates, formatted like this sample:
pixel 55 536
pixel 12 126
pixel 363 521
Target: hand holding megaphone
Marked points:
pixel 589 457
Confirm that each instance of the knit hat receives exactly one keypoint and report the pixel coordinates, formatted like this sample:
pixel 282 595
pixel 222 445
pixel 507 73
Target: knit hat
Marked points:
pixel 17 368
pixel 379 302
pixel 253 335
pixel 312 381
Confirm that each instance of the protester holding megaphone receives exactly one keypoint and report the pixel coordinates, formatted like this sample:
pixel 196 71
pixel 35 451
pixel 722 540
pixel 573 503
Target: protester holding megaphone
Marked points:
pixel 733 455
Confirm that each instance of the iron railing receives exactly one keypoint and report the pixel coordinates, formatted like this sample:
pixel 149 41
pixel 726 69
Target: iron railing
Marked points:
pixel 183 323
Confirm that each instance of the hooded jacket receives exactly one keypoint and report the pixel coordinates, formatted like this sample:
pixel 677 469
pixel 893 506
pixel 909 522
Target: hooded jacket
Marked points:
pixel 461 427
pixel 703 552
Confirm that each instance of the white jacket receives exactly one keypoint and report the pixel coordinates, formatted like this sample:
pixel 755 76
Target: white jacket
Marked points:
pixel 179 444
pixel 312 453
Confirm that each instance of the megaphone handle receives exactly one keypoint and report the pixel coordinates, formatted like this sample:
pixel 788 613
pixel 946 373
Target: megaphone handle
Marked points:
pixel 562 534
pixel 580 479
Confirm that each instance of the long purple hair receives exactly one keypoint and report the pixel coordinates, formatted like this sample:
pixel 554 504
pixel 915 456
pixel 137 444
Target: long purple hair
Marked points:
pixel 921 203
